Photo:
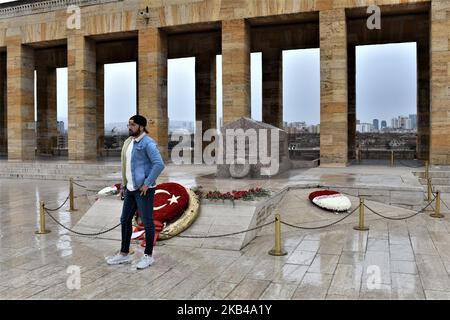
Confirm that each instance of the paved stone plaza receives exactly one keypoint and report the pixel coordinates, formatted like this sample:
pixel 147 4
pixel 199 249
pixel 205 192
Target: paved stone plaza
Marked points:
pixel 412 257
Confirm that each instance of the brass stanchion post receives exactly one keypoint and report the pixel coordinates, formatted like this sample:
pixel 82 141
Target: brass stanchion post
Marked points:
pixel 42 229
pixel 71 197
pixel 361 226
pixel 429 189
pixel 437 212
pixel 277 250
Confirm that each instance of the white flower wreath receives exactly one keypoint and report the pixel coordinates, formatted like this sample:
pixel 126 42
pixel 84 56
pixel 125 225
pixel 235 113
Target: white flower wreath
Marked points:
pixel 334 202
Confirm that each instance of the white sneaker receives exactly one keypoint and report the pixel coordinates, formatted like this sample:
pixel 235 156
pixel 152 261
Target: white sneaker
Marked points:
pixel 146 261
pixel 118 259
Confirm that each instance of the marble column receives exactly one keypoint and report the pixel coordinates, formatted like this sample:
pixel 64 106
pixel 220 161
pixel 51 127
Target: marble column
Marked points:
pixel 152 69
pixel 351 83
pixel 440 83
pixel 235 70
pixel 100 110
pixel 3 123
pixel 333 88
pixel 81 59
pixel 20 99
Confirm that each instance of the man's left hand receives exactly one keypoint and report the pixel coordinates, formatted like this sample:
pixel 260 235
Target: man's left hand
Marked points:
pixel 143 189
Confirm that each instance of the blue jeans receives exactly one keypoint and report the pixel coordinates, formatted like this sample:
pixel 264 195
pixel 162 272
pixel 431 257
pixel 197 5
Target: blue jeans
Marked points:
pixel 133 200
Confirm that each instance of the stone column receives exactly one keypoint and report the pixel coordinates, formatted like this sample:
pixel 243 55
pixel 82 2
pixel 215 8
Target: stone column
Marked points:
pixel 81 60
pixel 440 83
pixel 152 68
pixel 423 100
pixel 20 100
pixel 235 70
pixel 351 83
pixel 3 123
pixel 205 91
pixel 46 125
pixel 100 109
pixel 333 88
pixel 272 87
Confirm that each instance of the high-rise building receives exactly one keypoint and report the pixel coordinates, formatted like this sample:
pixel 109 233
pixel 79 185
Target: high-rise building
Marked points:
pixel 383 124
pixel 413 118
pixel 364 127
pixel 408 124
pixel 358 122
pixel 375 124
pixel 404 123
pixel 314 128
pixel 394 123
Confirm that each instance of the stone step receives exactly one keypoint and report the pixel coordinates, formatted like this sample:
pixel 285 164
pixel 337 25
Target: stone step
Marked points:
pixel 85 168
pixel 436 181
pixel 53 176
pixel 442 189
pixel 8 168
pixel 433 174
pixel 55 172
pixel 61 171
pixel 101 180
pixel 60 167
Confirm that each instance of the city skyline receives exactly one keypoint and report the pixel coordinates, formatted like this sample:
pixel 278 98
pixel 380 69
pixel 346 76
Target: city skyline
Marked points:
pixel 385 85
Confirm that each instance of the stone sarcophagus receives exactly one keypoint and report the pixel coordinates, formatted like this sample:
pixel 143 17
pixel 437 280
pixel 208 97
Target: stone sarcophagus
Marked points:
pixel 251 149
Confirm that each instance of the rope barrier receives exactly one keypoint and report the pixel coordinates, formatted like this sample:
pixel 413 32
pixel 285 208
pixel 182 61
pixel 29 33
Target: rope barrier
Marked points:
pixel 279 221
pixel 77 184
pixel 105 238
pixel 401 218
pixel 67 198
pixel 80 233
pixel 445 204
pixel 321 227
pixel 226 234
pixel 84 187
pixel 56 209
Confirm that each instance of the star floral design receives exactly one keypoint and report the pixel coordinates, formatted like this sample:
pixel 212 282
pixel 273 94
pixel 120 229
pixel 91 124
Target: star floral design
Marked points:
pixel 174 199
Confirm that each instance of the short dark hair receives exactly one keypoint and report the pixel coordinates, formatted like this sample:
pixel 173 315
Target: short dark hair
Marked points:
pixel 140 120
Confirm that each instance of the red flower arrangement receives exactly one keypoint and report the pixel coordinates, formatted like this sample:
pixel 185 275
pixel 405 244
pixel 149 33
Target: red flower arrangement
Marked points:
pixel 246 195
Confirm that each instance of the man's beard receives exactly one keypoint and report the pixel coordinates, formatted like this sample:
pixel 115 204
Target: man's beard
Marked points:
pixel 133 134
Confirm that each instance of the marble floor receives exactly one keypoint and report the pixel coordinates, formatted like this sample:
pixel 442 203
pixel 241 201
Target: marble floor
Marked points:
pixel 408 259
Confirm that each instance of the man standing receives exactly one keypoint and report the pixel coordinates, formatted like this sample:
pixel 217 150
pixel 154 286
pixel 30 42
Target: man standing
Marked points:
pixel 141 165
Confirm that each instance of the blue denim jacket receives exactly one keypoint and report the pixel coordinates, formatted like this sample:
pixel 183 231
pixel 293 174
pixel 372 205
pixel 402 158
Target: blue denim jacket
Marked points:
pixel 146 162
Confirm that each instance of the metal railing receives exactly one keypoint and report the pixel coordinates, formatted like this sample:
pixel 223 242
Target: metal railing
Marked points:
pixel 278 248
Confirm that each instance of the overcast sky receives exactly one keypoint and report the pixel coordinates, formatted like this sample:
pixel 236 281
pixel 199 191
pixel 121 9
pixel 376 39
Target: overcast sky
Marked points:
pixel 385 83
